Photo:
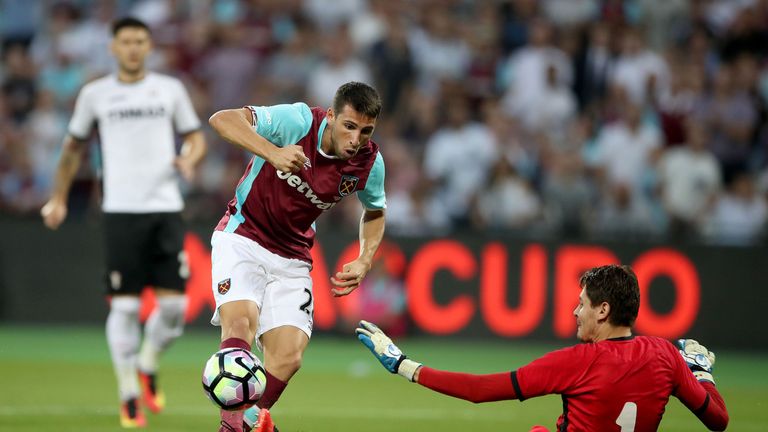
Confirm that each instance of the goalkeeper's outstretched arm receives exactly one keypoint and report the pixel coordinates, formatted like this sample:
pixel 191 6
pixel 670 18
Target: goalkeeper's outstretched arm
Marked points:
pixel 474 388
pixel 470 387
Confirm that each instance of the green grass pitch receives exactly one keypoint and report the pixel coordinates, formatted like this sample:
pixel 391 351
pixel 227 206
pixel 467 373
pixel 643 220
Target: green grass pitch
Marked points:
pixel 60 379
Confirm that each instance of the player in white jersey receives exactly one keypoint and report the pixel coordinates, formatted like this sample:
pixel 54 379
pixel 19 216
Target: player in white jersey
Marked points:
pixel 138 114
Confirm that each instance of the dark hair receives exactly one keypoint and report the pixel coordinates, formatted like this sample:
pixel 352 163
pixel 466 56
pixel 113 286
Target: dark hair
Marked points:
pixel 617 286
pixel 128 22
pixel 360 96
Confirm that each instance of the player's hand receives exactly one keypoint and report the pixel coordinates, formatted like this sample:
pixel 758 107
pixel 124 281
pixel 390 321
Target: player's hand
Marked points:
pixel 387 352
pixel 349 278
pixel 186 168
pixel 54 212
pixel 290 158
pixel 699 359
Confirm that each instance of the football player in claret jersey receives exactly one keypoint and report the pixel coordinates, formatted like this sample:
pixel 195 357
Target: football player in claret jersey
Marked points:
pixel 305 161
pixel 613 381
pixel 137 113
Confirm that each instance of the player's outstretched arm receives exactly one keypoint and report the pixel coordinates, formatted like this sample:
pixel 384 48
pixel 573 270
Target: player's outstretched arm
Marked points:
pixel 473 388
pixel 712 412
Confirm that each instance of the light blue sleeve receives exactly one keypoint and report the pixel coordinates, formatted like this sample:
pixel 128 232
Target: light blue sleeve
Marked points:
pixel 284 124
pixel 373 196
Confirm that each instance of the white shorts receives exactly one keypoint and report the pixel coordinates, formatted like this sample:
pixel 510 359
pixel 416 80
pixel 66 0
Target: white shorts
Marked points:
pixel 281 287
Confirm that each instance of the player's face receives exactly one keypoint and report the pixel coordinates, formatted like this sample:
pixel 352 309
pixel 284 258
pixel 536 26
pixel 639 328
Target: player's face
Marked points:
pixel 586 318
pixel 130 46
pixel 350 131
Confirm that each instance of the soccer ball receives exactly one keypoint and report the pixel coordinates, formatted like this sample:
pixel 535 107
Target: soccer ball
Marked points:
pixel 234 378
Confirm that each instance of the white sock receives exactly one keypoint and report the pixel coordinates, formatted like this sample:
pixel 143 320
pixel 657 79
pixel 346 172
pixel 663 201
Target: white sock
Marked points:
pixel 165 324
pixel 123 333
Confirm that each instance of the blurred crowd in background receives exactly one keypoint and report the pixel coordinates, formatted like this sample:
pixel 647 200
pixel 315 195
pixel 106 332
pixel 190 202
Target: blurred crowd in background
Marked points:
pixel 630 119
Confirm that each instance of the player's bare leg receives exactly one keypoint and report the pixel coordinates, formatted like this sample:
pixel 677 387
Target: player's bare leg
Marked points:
pixel 283 351
pixel 239 321
pixel 165 325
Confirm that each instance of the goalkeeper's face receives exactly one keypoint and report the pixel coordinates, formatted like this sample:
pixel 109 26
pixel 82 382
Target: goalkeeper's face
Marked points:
pixel 130 46
pixel 588 318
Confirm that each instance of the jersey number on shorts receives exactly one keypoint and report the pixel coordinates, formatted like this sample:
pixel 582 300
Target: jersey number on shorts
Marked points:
pixel 183 265
pixel 305 306
pixel 627 417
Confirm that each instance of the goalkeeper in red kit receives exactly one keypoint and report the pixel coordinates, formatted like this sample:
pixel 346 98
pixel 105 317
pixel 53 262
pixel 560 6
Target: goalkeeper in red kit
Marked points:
pixel 614 381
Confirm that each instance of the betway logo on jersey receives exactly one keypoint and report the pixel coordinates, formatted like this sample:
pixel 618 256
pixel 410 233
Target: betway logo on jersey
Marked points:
pixel 303 188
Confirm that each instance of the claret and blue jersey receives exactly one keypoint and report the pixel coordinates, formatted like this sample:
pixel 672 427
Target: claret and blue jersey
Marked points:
pixel 277 209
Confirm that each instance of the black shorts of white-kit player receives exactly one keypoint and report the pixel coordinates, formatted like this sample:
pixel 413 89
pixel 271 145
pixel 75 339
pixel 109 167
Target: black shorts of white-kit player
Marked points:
pixel 144 249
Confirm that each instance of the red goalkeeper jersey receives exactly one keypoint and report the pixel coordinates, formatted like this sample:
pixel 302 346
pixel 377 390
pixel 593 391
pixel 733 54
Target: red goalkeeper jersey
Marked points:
pixel 619 385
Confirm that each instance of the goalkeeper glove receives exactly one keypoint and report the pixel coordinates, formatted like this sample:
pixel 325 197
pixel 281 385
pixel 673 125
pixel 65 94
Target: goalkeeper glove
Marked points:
pixel 387 352
pixel 700 360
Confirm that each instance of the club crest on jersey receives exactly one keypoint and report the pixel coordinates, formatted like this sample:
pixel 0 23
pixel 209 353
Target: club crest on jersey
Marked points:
pixel 347 184
pixel 224 286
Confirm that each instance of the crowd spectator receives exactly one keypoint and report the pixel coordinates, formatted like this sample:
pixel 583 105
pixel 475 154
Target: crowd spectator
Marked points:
pixel 458 159
pixel 739 215
pixel 566 117
pixel 508 200
pixel 337 66
pixel 690 181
